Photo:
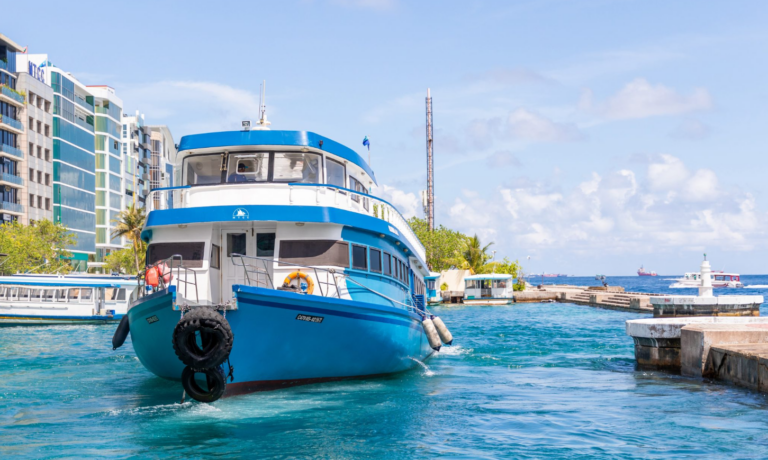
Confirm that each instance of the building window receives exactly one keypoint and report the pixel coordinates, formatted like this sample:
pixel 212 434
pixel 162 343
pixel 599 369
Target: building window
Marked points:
pixel 359 257
pixel 39 152
pixel 40 127
pixel 47 131
pixel 39 103
pixel 48 155
pixel 31 200
pixel 39 177
pixel 31 149
pixel 375 260
pixel 47 179
pixel 40 202
pixel 31 98
pixel 31 124
pixel 31 175
pixel 48 204
pixel 48 106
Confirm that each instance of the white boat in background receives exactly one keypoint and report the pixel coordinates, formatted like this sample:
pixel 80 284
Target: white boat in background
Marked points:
pixel 489 289
pixel 719 280
pixel 64 299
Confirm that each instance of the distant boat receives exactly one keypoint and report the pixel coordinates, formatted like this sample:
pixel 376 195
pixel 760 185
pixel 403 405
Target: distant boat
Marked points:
pixel 719 280
pixel 642 272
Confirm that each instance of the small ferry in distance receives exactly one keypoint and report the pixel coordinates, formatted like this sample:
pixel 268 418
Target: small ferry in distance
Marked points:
pixel 64 299
pixel 643 272
pixel 488 289
pixel 434 294
pixel 272 264
pixel 719 280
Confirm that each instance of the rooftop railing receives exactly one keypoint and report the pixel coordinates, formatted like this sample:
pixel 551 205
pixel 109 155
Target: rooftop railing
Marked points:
pixel 5 148
pixel 294 194
pixel 11 178
pixel 16 124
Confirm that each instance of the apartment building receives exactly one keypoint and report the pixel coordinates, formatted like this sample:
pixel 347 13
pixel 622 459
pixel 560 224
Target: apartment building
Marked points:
pixel 12 103
pixel 36 142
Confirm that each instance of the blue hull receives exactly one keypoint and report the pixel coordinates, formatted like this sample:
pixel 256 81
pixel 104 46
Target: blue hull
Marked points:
pixel 284 338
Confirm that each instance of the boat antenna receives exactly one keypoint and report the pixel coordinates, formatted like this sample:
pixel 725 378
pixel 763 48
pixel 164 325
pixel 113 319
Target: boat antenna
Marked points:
pixel 263 122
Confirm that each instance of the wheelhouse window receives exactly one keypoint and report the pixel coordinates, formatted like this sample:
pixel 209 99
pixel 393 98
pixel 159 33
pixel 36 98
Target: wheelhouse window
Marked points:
pixel 357 186
pixel 315 252
pixel 375 260
pixel 387 264
pixel 265 244
pixel 202 169
pixel 191 253
pixel 298 167
pixel 252 167
pixel 359 257
pixel 336 173
pixel 85 295
pixel 215 256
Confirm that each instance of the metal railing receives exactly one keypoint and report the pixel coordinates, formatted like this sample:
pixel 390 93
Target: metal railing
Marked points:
pixel 6 91
pixel 320 195
pixel 256 273
pixel 12 207
pixel 82 102
pixel 172 268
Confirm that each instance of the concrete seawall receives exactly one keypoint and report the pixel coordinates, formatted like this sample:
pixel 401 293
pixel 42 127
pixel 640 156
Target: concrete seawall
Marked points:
pixel 612 297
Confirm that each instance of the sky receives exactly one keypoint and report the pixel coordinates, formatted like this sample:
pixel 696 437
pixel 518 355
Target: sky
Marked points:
pixel 580 137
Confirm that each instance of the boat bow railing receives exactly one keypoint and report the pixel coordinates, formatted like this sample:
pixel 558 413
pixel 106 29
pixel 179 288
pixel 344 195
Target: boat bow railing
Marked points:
pixel 256 272
pixel 173 270
pixel 299 194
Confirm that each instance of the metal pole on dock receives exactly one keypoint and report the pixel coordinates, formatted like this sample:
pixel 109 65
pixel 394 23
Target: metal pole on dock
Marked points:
pixel 430 167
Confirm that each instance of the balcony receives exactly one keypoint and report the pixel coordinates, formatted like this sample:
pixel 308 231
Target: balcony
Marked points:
pixel 84 124
pixel 3 65
pixel 11 207
pixel 17 98
pixel 8 121
pixel 10 150
pixel 5 177
pixel 83 103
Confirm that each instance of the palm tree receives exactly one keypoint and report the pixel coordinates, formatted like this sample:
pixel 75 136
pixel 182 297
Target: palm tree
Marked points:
pixel 476 255
pixel 129 224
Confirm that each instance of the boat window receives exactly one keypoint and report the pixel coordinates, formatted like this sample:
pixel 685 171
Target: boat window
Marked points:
pixel 215 256
pixel 110 294
pixel 12 293
pixel 297 167
pixel 62 296
pixel 431 285
pixel 74 294
pixel 395 268
pixel 315 252
pixel 23 294
pixel 357 186
pixel 202 169
pixel 387 264
pixel 375 260
pixel 121 295
pixel 336 172
pixel 2 293
pixel 190 252
pixel 35 295
pixel 49 294
pixel 359 257
pixel 85 295
pixel 236 244
pixel 265 244
pixel 253 167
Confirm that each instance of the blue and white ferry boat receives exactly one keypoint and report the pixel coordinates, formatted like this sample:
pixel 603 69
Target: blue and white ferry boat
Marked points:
pixel 273 265
pixel 64 299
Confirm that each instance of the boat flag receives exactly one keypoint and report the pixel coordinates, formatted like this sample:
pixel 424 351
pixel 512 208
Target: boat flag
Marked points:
pixel 367 143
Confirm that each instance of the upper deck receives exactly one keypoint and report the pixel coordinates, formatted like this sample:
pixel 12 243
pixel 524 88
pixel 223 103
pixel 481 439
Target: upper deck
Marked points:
pixel 231 172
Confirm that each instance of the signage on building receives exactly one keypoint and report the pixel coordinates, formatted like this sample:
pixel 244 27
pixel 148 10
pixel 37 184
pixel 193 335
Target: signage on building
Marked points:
pixel 37 72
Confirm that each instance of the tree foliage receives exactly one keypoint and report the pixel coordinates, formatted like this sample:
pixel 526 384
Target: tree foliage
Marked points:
pixel 443 245
pixel 37 248
pixel 122 261
pixel 129 224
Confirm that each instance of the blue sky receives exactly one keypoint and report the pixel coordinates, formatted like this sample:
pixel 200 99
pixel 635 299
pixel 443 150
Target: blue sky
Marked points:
pixel 593 136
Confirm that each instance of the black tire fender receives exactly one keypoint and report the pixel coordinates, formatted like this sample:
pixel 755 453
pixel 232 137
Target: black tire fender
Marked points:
pixel 121 333
pixel 215 378
pixel 215 334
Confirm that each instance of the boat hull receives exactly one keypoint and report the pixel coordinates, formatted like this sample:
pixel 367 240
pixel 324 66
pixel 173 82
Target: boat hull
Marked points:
pixel 487 301
pixel 43 320
pixel 284 339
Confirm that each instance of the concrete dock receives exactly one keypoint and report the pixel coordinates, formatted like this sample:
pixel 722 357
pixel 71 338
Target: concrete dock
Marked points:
pixel 612 297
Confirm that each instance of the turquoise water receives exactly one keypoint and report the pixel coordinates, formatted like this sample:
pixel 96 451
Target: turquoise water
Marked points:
pixel 524 381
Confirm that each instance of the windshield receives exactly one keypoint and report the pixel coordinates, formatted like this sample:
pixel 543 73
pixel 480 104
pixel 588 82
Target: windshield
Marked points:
pixel 202 169
pixel 253 167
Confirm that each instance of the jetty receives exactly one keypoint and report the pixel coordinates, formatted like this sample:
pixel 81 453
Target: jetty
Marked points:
pixel 611 297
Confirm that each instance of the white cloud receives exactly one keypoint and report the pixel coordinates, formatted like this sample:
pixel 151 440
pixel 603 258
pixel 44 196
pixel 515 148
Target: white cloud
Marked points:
pixel 641 99
pixel 667 207
pixel 691 130
pixel 192 106
pixel 407 203
pixel 523 125
pixel 503 159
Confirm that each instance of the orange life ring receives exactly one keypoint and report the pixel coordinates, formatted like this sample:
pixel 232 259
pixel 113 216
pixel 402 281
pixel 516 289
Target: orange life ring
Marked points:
pixel 299 274
pixel 165 272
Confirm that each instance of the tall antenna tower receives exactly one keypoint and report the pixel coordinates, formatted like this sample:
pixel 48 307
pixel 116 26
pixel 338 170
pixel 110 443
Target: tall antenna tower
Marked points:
pixel 430 168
